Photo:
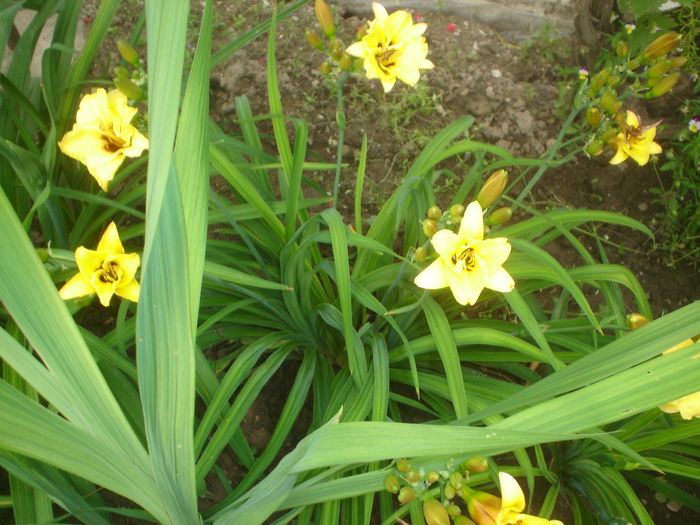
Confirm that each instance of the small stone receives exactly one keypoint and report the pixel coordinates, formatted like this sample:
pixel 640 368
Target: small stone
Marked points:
pixel 490 92
pixel 643 206
pixel 673 506
pixel 496 73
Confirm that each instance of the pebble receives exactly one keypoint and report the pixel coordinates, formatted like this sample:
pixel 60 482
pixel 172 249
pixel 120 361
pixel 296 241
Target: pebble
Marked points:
pixel 496 73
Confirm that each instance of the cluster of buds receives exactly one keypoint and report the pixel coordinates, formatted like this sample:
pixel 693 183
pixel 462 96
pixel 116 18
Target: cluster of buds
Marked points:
pixel 409 483
pixel 129 79
pixel 329 44
pixel 605 114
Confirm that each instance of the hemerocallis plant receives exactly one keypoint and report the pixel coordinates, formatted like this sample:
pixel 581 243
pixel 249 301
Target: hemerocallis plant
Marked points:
pixel 467 262
pixel 634 141
pixel 106 271
pixel 688 406
pixel 103 136
pixel 393 48
pixel 486 509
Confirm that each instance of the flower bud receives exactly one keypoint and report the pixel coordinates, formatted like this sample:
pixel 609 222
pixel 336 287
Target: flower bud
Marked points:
pixel 456 480
pixel 608 100
pixel 457 211
pixel 419 256
pixel 664 85
pixel 122 72
pixel 492 188
pixel 392 484
pixel 454 510
pixel 482 506
pixel 326 69
pixel 413 476
pixel 608 135
pixel 325 18
pixel 593 116
pixel 661 46
pixel 434 212
pixel 621 48
pixel 313 39
pixel 406 494
pixel 433 477
pixel 449 492
pixel 636 320
pixel 403 465
pixel 477 464
pixel 463 520
pixel 678 62
pixel 659 69
pixel 613 80
pixel 430 227
pixel 435 513
pixel 595 148
pixel 345 62
pixel 599 79
pixel 128 88
pixel 633 64
pixel 128 53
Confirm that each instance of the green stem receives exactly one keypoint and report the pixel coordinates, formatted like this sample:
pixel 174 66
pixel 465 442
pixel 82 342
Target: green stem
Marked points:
pixel 340 120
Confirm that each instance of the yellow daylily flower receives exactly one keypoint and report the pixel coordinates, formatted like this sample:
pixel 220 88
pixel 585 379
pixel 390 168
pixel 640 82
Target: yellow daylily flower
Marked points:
pixel 393 48
pixel 105 271
pixel 688 406
pixel 513 503
pixel 102 136
pixel 466 262
pixel 634 141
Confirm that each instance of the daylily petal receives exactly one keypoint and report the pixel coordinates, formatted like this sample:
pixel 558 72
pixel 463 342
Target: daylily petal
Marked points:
pixel 80 140
pixel 358 49
pixel 77 286
pixel 91 110
pixel 445 243
pixel 499 280
pixel 511 493
pixel 129 291
pixel 118 104
pixel 129 262
pixel 407 72
pixel 631 119
pixel 433 277
pixel 639 155
pixel 379 11
pixel 466 286
pixel 88 261
pixel 495 251
pixel 104 172
pixel 110 242
pixel 104 291
pixel 619 157
pixel 472 225
pixel 388 84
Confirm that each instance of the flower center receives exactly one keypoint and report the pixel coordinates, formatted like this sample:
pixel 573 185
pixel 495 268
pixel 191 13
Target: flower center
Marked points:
pixel 464 259
pixel 110 272
pixel 112 143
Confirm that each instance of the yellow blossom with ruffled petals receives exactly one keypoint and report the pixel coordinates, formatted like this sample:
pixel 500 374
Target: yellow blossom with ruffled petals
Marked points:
pixel 106 271
pixel 393 48
pixel 513 504
pixel 634 141
pixel 103 136
pixel 467 262
pixel 688 406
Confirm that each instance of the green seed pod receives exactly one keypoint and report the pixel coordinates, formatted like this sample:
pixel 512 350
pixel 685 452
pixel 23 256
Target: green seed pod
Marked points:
pixel 130 89
pixel 430 227
pixel 456 480
pixel 665 85
pixel 313 39
pixel 457 211
pixel 403 465
pixel 621 48
pixel 392 484
pixel 43 254
pixel 479 464
pixel 435 513
pixel 434 212
pixel 128 53
pixel 406 494
pixel 593 116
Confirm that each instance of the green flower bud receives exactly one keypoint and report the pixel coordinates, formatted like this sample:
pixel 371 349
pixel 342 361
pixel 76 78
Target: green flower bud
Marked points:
pixel 664 85
pixel 636 320
pixel 326 69
pixel 413 476
pixel 678 62
pixel 325 18
pixel 403 465
pixel 122 72
pixel 595 148
pixel 406 494
pixel 419 256
pixel 449 492
pixel 313 39
pixel 456 480
pixel 477 464
pixel 430 227
pixel 492 188
pixel 608 135
pixel 621 48
pixel 128 53
pixel 659 69
pixel 454 510
pixel 434 212
pixel 129 89
pixel 345 62
pixel 599 79
pixel 593 116
pixel 614 80
pixel 633 64
pixel 435 513
pixel 608 100
pixel 433 477
pixel 500 216
pixel 661 46
pixel 392 484
pixel 457 211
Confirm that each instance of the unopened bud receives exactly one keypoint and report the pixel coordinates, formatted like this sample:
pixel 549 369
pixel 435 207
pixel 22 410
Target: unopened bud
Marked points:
pixel 413 476
pixel 392 484
pixel 434 212
pixel 608 135
pixel 406 494
pixel 595 148
pixel 128 88
pixel 664 85
pixel 476 465
pixel 433 477
pixel 500 216
pixel 325 18
pixel 419 256
pixel 457 211
pixel 454 510
pixel 430 227
pixel 621 48
pixel 449 492
pixel 659 69
pixel 326 68
pixel 633 64
pixel 636 320
pixel 456 480
pixel 337 49
pixel 482 506
pixel 128 53
pixel 614 80
pixel 593 116
pixel 662 46
pixel 122 72
pixel 599 79
pixel 608 100
pixel 678 62
pixel 435 513
pixel 345 62
pixel 492 188
pixel 313 39
pixel 403 465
